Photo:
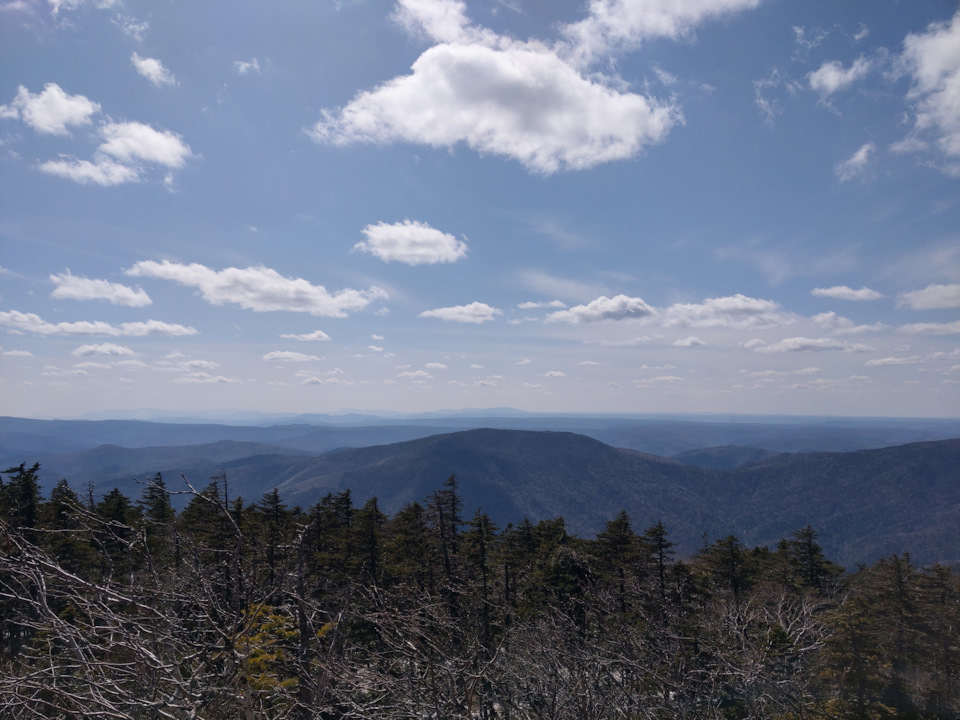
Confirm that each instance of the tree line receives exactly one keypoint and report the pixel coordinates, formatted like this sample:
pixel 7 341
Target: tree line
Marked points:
pixel 125 608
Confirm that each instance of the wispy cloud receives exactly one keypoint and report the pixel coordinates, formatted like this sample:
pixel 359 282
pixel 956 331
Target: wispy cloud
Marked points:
pixel 259 289
pixel 72 287
pixel 31 323
pixel 315 335
pixel 245 67
pixel 842 292
pixel 951 328
pixel 804 344
pixel 623 24
pixel 475 312
pixel 288 356
pixel 932 297
pixel 832 77
pixel 854 166
pixel 153 70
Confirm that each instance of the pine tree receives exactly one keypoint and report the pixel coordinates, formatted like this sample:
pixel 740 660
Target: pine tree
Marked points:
pixel 274 518
pixel 659 551
pixel 618 551
pixel 20 498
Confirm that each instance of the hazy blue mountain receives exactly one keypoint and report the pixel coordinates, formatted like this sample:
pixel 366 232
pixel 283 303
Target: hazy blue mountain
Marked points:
pixel 725 457
pixel 21 438
pixel 865 504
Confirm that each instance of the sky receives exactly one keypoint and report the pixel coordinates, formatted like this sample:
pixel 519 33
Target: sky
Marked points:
pixel 603 206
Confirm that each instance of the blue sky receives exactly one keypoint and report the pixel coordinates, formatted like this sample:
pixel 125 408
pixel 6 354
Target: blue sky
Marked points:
pixel 734 206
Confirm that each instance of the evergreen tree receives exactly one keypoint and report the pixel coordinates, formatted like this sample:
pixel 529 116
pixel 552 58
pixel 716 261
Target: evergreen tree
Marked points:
pixel 807 565
pixel 274 518
pixel 409 548
pixel 618 551
pixel 66 537
pixel 659 551
pixel 367 543
pixel 478 546
pixel 20 498
pixel 116 534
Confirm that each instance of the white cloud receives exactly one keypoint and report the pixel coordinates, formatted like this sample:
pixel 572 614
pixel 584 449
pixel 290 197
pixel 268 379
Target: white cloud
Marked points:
pixel 951 328
pixel 613 24
pixel 840 325
pixel 154 327
pixel 51 111
pixel 198 365
pixel 769 106
pixel 732 311
pixel 116 160
pixel 411 242
pixel 932 297
pixel 803 344
pixel 933 59
pixel 244 67
pixel 689 342
pixel 288 356
pixel 619 307
pixel 102 171
pixel 132 141
pixel 855 164
pixel 259 288
pixel 436 366
pixel 132 28
pixel 554 373
pixel 375 348
pixel 416 374
pixel 29 322
pixel 881 362
pixel 153 70
pixel 547 284
pixel 659 379
pixel 441 20
pixel 16 353
pixel 205 378
pixel 475 312
pixel 315 335
pixel 500 96
pixel 104 350
pixel 536 305
pixel 842 292
pixel 831 76
pixel 71 287
pixel 770 374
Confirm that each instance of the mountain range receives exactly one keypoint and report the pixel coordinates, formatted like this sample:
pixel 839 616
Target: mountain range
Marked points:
pixel 864 503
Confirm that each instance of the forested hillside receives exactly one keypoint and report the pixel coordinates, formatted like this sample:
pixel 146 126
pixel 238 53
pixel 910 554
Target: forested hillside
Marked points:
pixel 866 504
pixel 123 608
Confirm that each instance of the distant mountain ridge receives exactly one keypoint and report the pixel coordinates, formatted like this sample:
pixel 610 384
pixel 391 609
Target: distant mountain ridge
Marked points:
pixel 865 504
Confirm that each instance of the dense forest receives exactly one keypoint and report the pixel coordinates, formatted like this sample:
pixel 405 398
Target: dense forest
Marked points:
pixel 123 608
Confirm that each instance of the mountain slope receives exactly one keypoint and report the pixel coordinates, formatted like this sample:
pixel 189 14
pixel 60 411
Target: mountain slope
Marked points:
pixel 864 504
